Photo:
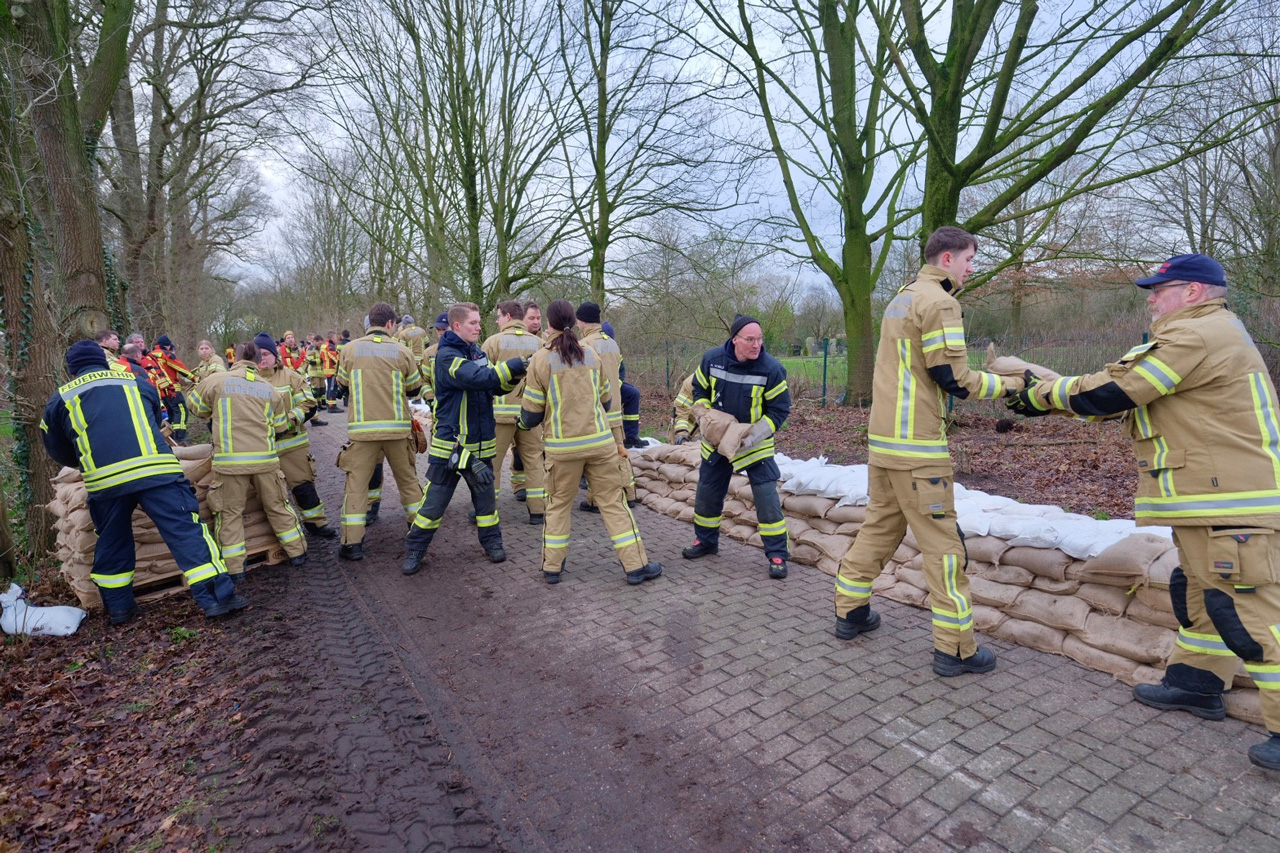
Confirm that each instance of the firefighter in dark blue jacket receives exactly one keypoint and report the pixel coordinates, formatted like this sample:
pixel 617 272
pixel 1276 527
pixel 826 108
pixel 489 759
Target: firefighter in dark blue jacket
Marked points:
pixel 107 424
pixel 743 380
pixel 464 439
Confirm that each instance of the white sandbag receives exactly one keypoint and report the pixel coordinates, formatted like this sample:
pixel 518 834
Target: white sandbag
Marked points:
pixel 18 617
pixel 1029 530
pixel 1089 538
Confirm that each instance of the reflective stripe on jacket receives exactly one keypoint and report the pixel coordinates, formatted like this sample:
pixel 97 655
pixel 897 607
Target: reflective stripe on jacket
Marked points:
pixel 107 424
pixel 1206 430
pixel 382 374
pixel 247 412
pixel 922 328
pixel 572 398
pixel 512 341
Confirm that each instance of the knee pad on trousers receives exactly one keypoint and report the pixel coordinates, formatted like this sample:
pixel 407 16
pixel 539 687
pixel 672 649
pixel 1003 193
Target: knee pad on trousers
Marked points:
pixel 1186 677
pixel 1178 597
pixel 1222 610
pixel 306 495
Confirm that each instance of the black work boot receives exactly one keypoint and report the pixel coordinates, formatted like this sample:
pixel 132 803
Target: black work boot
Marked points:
pixel 371 514
pixel 412 561
pixel 777 568
pixel 983 660
pixel 857 621
pixel 237 602
pixel 522 495
pixel 318 422
pixel 1207 706
pixel 496 554
pixel 644 573
pixel 120 617
pixel 1267 753
pixel 537 518
pixel 551 577
pixel 300 560
pixel 237 578
pixel 699 549
pixel 353 552
pixel 587 506
pixel 324 531
pixel 471 516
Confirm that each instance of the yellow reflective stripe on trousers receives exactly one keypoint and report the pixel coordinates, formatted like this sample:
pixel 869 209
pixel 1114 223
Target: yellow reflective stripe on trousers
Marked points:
pixel 555 540
pixel 1205 644
pixel 200 573
pixel 487 520
pixel 852 588
pixel 1267 426
pixel 707 520
pixel 622 540
pixel 112 581
pixel 962 618
pixel 773 528
pixel 1265 675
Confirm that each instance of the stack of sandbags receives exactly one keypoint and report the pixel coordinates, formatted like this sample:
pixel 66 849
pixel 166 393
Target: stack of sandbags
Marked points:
pixel 155 565
pixel 1094 591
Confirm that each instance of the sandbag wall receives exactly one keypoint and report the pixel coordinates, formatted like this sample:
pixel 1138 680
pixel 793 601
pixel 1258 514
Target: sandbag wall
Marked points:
pixel 1107 607
pixel 76 537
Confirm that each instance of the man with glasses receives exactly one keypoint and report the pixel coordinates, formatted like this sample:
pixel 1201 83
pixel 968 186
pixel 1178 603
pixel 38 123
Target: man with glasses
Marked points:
pixel 1200 407
pixel 743 380
pixel 921 358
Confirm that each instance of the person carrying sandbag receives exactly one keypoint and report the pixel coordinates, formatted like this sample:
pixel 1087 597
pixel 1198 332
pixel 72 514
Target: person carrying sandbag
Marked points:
pixel 922 357
pixel 742 382
pixel 1201 409
pixel 107 424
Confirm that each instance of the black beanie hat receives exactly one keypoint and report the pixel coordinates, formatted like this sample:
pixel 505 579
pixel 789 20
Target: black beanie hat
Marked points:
pixel 266 342
pixel 84 354
pixel 740 322
pixel 163 342
pixel 589 312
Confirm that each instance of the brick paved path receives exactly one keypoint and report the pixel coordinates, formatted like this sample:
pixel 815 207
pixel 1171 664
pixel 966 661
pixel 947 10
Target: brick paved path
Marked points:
pixel 713 709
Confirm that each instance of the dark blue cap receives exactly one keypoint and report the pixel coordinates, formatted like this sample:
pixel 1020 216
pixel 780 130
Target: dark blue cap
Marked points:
pixel 164 342
pixel 266 342
pixel 1201 268
pixel 442 322
pixel 84 354
pixel 608 330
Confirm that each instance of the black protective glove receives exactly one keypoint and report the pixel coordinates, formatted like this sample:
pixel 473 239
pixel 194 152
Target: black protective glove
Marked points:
pixel 518 366
pixel 482 472
pixel 1024 402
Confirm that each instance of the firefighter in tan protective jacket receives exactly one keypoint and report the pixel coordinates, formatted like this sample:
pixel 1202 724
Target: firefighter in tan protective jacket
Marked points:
pixel 567 392
pixel 294 444
pixel 921 358
pixel 382 375
pixel 683 424
pixel 514 341
pixel 246 413
pixel 593 335
pixel 1201 410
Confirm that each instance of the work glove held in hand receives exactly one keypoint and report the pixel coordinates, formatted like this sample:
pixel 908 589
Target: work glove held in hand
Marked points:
pixel 760 430
pixel 482 472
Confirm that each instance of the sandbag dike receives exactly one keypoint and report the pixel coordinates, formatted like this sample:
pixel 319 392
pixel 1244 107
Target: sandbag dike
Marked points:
pixel 1094 591
pixel 156 574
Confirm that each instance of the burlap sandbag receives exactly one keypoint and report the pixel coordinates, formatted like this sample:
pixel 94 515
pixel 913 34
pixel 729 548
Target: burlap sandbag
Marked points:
pixel 824 525
pixel 1055 587
pixel 734 508
pixel 1056 611
pixel 1140 612
pixel 987 619
pixel 828 565
pixel 686 513
pixel 802 552
pixel 740 488
pixel 1011 365
pixel 885 580
pixel 1131 557
pixel 916 562
pixel 912 576
pixel 639 462
pixel 985 549
pixel 906 594
pixel 723 432
pixel 796 526
pixel 1105 599
pixel 847 514
pixel 691 477
pixel 684 494
pixel 1083 653
pixel 672 473
pixel 1033 635
pixel 807 506
pixel 848 528
pixel 909 539
pixel 993 594
pixel 655 486
pixel 1244 705
pixel 1011 575
pixel 67 475
pixel 739 532
pixel 756 542
pixel 1154 598
pixel 830 545
pixel 904 553
pixel 1140 643
pixel 1045 562
pixel 1162 568
pixel 1078 571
